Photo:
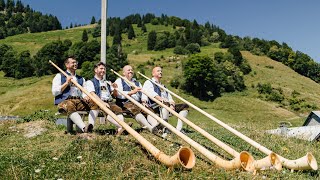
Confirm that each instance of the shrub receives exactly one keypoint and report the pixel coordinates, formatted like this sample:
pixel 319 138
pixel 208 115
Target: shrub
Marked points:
pixel 176 82
pixel 207 79
pixel 275 96
pixel 264 88
pixel 193 48
pixel 180 50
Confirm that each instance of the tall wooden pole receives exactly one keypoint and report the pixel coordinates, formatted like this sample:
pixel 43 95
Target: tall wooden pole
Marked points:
pixel 103 31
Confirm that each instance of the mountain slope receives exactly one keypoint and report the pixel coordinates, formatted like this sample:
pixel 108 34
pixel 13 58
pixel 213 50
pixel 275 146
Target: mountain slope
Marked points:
pixel 123 157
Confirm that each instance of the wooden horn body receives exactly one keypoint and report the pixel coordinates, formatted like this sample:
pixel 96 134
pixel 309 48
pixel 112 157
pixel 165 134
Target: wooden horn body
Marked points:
pixel 236 163
pixel 185 156
pixel 307 162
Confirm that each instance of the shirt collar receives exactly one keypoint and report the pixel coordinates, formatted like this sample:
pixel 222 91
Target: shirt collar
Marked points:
pixel 70 73
pixel 155 80
pixel 98 78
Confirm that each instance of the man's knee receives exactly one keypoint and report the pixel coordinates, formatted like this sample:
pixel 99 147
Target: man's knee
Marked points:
pixel 115 109
pixel 133 109
pixel 66 107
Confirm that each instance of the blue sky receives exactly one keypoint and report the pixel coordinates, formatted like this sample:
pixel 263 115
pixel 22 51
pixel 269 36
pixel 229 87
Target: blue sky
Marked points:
pixel 295 22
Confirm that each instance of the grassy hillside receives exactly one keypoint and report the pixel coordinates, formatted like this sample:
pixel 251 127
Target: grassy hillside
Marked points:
pixel 56 155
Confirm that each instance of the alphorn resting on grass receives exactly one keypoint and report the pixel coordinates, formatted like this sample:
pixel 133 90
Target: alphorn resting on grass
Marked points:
pixel 185 156
pixel 307 162
pixel 243 159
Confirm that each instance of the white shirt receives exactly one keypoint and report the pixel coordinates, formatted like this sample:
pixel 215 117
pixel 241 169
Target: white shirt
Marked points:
pixel 105 94
pixel 135 96
pixel 56 86
pixel 148 87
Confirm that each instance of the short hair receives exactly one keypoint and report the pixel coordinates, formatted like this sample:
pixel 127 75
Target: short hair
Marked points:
pixel 66 61
pixel 99 64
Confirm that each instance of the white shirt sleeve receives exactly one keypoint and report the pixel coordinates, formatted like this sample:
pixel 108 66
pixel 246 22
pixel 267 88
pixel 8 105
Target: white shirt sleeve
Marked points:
pixel 56 85
pixel 85 86
pixel 89 86
pixel 148 87
pixel 120 87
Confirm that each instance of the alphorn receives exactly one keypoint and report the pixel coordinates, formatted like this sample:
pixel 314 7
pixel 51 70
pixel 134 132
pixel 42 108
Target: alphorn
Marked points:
pixel 243 159
pixel 270 161
pixel 306 162
pixel 185 156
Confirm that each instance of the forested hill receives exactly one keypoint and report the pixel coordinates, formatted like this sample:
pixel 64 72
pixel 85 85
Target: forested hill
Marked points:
pixel 250 84
pixel 185 37
pixel 210 60
pixel 16 18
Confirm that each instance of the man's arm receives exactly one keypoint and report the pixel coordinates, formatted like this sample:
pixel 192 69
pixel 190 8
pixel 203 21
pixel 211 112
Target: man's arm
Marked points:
pixel 119 84
pixel 57 87
pixel 148 87
pixel 113 87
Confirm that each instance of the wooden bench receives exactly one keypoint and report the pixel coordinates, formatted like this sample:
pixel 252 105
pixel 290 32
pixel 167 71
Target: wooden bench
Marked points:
pixel 102 119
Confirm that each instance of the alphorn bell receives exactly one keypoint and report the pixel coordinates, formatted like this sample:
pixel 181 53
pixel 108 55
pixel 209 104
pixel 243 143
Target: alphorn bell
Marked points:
pixel 306 162
pixel 243 159
pixel 185 156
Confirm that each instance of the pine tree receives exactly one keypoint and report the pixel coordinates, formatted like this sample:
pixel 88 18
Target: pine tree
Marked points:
pixel 117 36
pixel 152 40
pixel 93 20
pixel 131 34
pixel 84 36
pixel 143 28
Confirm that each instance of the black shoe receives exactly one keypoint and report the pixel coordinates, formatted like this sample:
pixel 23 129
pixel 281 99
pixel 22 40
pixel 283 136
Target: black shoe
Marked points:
pixel 154 130
pixel 89 128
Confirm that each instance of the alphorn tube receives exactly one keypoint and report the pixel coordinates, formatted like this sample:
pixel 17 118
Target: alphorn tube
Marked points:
pixel 243 159
pixel 306 162
pixel 185 156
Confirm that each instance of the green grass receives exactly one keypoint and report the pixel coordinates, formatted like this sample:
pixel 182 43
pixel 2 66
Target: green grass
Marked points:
pixel 123 157
pixel 35 41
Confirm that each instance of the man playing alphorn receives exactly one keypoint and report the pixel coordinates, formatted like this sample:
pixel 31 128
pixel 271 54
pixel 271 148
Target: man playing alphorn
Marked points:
pixel 98 87
pixel 164 97
pixel 68 97
pixel 127 105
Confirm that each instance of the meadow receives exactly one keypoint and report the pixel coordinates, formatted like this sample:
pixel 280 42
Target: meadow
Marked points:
pixel 53 154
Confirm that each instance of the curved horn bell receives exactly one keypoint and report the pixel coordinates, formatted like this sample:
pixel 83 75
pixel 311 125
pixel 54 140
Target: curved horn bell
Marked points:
pixel 185 156
pixel 236 163
pixel 307 162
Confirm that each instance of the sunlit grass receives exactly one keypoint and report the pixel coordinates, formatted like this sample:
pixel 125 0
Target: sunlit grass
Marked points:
pixel 54 155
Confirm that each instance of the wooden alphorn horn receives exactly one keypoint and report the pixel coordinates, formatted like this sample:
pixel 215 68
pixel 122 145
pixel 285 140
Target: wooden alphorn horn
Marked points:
pixel 184 156
pixel 243 159
pixel 306 162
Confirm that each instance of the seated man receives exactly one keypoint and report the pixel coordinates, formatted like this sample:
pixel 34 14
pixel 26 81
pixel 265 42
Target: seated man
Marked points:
pixel 164 97
pixel 127 105
pixel 68 96
pixel 101 90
